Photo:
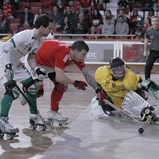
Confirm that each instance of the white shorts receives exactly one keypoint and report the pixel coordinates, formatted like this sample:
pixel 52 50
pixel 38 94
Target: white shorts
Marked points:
pixel 20 73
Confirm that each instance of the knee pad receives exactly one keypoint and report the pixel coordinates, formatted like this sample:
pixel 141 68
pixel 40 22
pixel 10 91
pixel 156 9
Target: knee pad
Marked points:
pixel 41 91
pixel 11 90
pixel 31 87
pixel 61 87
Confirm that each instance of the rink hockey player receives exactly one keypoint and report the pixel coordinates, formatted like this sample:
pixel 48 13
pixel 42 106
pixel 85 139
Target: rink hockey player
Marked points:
pixel 12 70
pixel 54 56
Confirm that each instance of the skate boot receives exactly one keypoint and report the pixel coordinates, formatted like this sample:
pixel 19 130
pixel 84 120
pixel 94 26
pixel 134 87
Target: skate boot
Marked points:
pixel 7 128
pixel 37 121
pixel 56 118
pixel 148 114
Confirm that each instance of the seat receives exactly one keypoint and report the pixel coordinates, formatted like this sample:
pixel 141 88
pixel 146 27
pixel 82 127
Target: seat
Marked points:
pixel 34 10
pixel 21 28
pixel 36 4
pixel 14 20
pixel 22 5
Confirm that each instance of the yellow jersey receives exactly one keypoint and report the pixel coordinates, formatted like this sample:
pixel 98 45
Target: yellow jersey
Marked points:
pixel 117 89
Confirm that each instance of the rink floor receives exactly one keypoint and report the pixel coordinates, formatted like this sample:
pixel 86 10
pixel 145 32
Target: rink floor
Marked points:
pixel 85 137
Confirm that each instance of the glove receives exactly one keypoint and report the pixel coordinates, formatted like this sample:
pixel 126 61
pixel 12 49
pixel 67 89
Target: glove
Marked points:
pixel 41 73
pixel 80 85
pixel 148 85
pixel 9 74
pixel 100 94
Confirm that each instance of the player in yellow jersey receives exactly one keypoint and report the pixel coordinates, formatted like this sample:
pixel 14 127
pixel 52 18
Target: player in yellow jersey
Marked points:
pixel 120 84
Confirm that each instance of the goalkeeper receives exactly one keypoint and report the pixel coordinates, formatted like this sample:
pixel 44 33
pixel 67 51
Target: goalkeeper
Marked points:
pixel 117 80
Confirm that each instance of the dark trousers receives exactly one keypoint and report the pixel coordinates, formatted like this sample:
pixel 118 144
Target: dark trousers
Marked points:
pixel 152 57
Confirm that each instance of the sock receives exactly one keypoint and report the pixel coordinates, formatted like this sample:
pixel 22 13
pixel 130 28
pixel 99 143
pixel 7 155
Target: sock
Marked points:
pixel 56 97
pixel 32 99
pixel 6 103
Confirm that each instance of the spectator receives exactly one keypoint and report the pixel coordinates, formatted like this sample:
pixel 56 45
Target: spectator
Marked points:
pixel 1 15
pixel 60 5
pixel 148 4
pixel 108 14
pixel 66 26
pixel 7 9
pixel 4 27
pixel 122 13
pixel 122 27
pixel 74 6
pixel 15 4
pixel 82 25
pixel 40 12
pixel 71 16
pixel 136 22
pixel 96 18
pixel 151 13
pixel 107 27
pixel 1 4
pixel 57 17
pixel 85 3
pixel 123 4
pixel 47 4
pixel 26 18
pixel 93 32
pixel 145 26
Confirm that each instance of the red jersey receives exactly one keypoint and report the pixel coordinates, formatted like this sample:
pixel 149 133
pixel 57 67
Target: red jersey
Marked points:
pixel 54 53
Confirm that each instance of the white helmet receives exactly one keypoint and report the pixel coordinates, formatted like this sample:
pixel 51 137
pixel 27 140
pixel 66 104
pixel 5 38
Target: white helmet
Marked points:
pixel 117 68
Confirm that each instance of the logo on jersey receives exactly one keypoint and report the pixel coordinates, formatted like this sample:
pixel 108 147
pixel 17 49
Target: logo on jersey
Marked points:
pixel 107 83
pixel 113 85
pixel 6 51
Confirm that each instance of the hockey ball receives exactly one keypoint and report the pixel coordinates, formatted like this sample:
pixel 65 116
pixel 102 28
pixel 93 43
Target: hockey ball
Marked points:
pixel 140 130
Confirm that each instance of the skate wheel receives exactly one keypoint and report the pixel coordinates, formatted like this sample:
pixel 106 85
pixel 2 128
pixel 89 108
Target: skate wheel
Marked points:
pixel 32 127
pixel 51 123
pixel 147 111
pixel 9 136
pixel 1 135
pixel 42 127
pixel 60 124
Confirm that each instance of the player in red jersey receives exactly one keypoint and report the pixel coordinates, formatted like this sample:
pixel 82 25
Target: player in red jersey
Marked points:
pixel 54 56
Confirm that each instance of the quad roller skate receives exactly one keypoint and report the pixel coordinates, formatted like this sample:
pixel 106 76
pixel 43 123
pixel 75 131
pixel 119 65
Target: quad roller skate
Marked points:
pixel 37 122
pixel 7 128
pixel 148 115
pixel 56 119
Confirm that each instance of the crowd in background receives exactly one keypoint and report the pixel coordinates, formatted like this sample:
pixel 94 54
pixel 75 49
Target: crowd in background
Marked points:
pixel 81 16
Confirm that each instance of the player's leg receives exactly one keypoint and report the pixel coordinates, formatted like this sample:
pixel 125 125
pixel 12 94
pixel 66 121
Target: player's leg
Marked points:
pixel 10 94
pixel 149 65
pixel 30 89
pixel 56 96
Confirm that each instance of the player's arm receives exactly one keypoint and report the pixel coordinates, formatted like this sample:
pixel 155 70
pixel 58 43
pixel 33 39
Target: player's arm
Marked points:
pixel 33 64
pixel 89 78
pixel 146 40
pixel 61 77
pixel 101 95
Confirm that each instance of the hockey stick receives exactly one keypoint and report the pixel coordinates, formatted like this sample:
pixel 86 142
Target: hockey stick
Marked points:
pixel 124 112
pixel 38 113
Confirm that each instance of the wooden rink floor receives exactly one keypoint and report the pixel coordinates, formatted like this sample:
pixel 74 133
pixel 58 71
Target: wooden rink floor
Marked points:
pixel 85 137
